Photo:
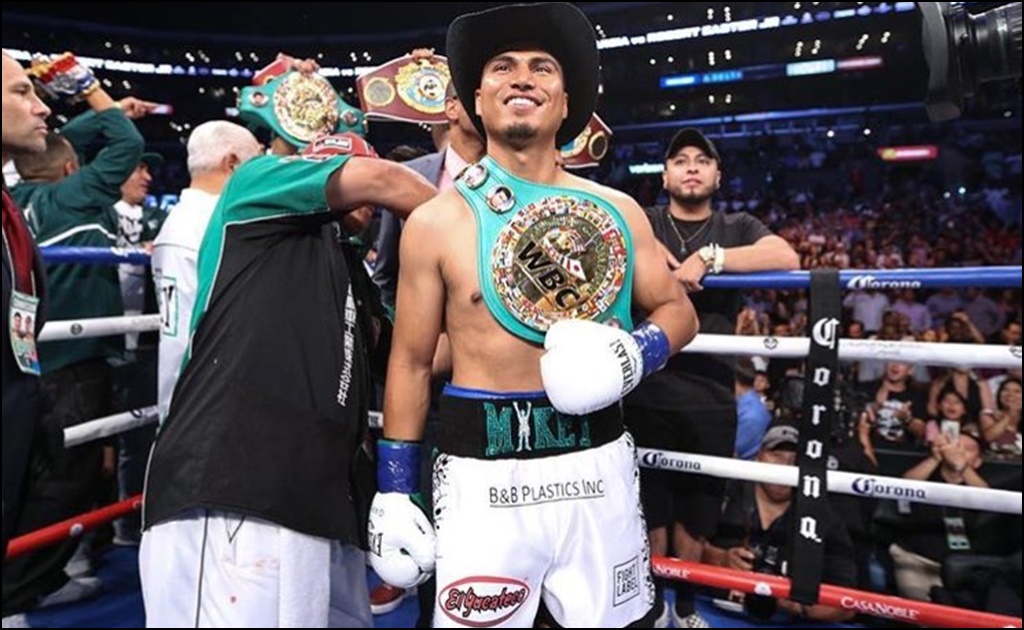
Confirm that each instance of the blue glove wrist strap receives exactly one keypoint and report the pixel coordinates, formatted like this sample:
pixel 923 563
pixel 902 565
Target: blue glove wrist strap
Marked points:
pixel 654 347
pixel 398 467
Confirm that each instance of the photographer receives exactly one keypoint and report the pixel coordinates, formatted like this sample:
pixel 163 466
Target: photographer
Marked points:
pixel 754 535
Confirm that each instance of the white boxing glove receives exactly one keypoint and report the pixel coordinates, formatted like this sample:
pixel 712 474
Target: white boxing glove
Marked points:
pixel 590 366
pixel 402 541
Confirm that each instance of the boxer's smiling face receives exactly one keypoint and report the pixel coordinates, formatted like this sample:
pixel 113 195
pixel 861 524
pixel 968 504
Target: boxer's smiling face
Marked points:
pixel 522 97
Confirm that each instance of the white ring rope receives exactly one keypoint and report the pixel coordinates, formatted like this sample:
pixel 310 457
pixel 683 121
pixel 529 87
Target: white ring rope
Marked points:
pixel 94 328
pixel 864 486
pixel 124 422
pixel 109 427
pixel 852 350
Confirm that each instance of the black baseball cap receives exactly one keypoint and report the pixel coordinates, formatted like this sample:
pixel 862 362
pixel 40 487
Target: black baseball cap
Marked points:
pixel 692 137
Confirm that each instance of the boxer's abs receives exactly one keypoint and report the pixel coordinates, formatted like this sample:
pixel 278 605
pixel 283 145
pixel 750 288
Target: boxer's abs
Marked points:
pixel 484 355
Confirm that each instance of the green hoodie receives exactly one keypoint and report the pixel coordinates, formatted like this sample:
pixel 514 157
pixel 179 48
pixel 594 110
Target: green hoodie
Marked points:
pixel 78 211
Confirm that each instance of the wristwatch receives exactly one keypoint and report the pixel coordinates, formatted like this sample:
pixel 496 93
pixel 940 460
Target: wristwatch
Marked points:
pixel 713 257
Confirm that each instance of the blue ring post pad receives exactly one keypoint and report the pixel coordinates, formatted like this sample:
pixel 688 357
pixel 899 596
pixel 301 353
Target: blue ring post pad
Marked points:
pixel 398 467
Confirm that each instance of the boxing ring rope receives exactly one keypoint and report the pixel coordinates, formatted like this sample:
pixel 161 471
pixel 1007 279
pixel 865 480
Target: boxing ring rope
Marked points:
pixel 101 327
pixel 72 528
pixel 111 426
pixel 854 350
pixel 863 486
pixel 94 256
pixel 863 603
pixel 878 279
pixel 948 355
pixel 871 279
pixel 850 350
pixel 871 604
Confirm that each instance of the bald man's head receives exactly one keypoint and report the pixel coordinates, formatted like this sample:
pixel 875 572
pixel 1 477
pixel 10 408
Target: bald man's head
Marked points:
pixel 24 115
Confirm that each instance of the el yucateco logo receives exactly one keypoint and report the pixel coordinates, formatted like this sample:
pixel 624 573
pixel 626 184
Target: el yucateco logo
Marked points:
pixel 877 609
pixel 876 488
pixel 866 283
pixel 483 602
pixel 653 459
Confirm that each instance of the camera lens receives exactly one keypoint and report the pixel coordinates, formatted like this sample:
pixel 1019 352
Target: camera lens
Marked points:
pixel 994 44
pixel 965 50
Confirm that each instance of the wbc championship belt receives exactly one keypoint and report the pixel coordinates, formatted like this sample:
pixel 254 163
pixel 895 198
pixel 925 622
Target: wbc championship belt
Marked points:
pixel 547 254
pixel 407 89
pixel 299 108
pixel 590 147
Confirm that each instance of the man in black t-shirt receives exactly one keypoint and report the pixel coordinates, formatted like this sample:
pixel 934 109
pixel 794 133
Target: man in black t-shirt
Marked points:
pixel 755 530
pixel 690 406
pixel 255 509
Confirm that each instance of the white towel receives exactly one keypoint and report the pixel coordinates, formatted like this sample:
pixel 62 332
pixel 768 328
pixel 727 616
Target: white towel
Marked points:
pixel 305 581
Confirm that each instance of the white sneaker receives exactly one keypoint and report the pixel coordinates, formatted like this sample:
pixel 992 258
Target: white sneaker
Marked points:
pixel 16 621
pixel 75 590
pixel 693 621
pixel 662 620
pixel 80 565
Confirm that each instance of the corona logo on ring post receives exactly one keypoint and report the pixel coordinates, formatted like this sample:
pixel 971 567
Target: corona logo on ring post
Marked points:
pixel 826 333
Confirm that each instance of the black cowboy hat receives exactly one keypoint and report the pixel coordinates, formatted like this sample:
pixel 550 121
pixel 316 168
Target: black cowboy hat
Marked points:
pixel 557 28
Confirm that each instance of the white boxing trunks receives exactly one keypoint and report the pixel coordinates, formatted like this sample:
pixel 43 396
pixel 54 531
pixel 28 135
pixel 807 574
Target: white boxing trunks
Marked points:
pixel 548 510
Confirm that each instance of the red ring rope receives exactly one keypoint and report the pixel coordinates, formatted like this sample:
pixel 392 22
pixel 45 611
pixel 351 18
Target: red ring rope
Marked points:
pixel 72 528
pixel 871 604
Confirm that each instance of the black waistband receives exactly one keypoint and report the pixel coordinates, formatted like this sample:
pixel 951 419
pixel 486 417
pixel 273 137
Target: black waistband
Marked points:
pixel 481 425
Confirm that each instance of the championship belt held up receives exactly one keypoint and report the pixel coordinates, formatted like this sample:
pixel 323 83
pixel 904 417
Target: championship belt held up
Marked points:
pixel 299 108
pixel 406 89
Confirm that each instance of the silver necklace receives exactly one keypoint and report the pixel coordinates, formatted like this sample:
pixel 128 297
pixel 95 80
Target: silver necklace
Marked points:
pixel 684 243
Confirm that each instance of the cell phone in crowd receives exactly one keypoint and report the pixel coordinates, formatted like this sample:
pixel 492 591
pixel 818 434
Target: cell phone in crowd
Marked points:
pixel 951 428
pixel 162 109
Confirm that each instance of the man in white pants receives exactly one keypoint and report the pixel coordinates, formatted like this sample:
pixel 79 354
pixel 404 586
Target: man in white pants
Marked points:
pixel 254 509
